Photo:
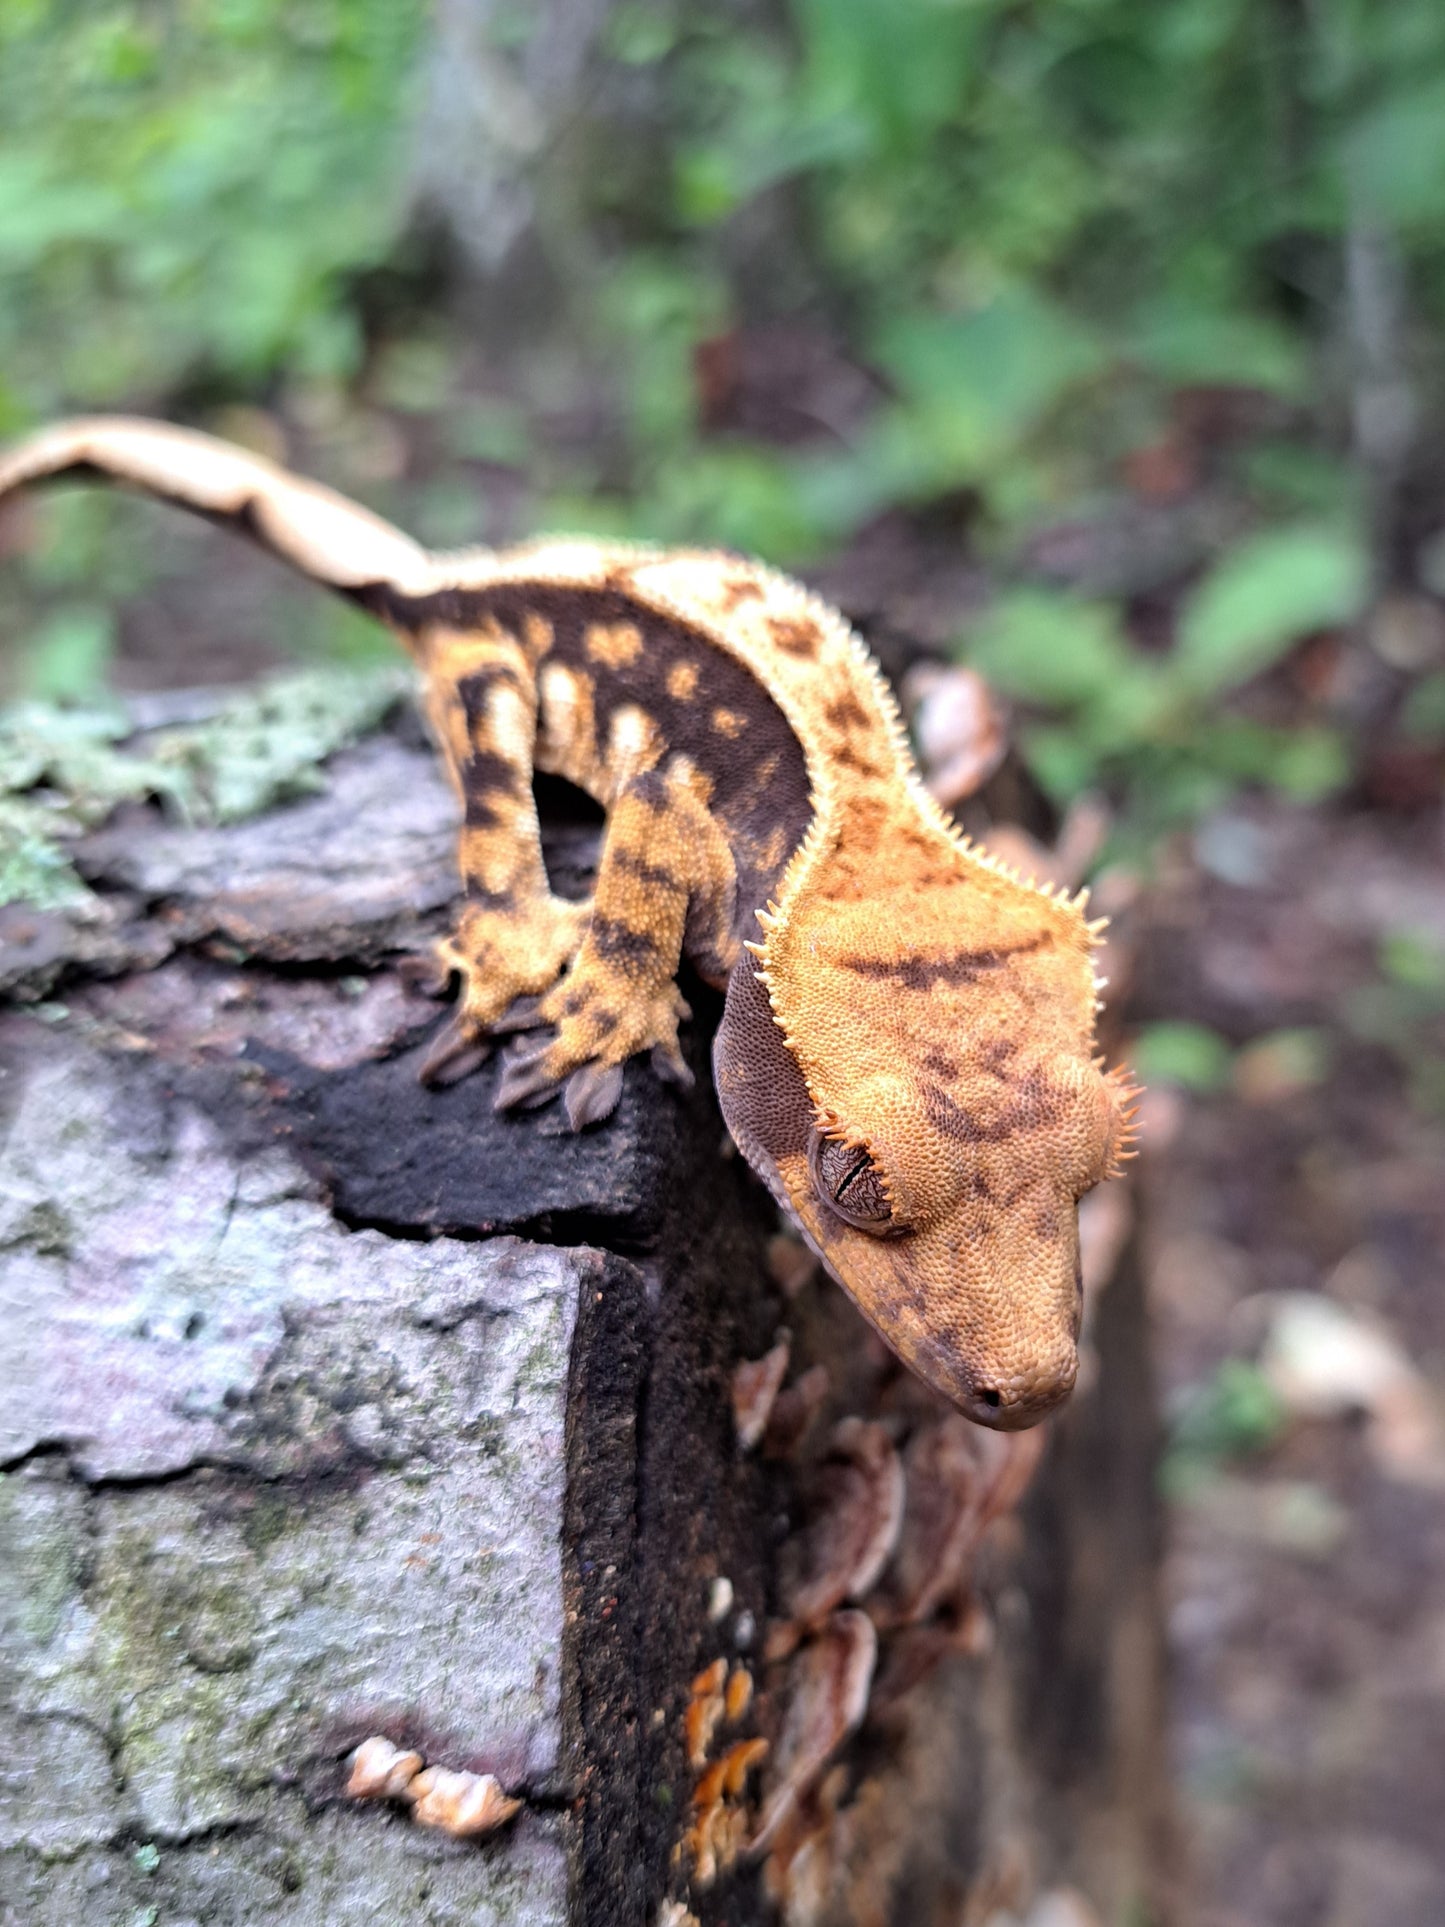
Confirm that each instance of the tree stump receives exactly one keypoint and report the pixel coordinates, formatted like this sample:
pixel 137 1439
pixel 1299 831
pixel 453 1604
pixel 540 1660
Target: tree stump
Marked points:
pixel 337 1407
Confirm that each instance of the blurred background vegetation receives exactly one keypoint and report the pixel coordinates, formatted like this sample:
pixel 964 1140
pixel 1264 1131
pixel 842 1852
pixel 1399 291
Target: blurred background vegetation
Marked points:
pixel 1097 343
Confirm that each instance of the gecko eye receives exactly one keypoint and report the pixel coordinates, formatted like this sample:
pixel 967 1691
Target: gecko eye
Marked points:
pixel 847 1177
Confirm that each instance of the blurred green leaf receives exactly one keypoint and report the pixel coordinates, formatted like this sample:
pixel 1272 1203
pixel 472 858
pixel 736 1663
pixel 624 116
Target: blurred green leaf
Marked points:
pixel 1282 1063
pixel 1189 341
pixel 640 35
pixel 1262 597
pixel 1423 716
pixel 977 383
pixel 1047 648
pixel 68 653
pixel 1237 1412
pixel 1414 960
pixel 1189 1055
pixel 1395 155
pixel 188 187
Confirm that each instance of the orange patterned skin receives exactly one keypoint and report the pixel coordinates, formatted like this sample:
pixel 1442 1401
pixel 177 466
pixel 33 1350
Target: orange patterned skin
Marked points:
pixel 907 1052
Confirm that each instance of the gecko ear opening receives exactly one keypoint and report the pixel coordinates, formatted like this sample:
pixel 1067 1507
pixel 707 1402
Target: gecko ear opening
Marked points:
pixel 850 1184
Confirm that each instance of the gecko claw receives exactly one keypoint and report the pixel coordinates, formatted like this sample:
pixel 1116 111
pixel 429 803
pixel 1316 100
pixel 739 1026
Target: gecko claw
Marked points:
pixel 524 1084
pixel 456 1051
pixel 669 1068
pixel 591 1093
pixel 427 976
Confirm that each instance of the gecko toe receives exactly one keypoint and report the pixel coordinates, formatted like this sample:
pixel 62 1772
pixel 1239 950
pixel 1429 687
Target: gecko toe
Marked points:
pixel 427 976
pixel 524 1014
pixel 525 1083
pixel 591 1094
pixel 456 1051
pixel 670 1068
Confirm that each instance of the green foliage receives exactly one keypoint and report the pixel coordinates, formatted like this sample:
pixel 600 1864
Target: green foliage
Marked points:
pixel 1262 597
pixel 1236 1413
pixel 1424 714
pixel 974 387
pixel 187 188
pixel 1190 1055
pixel 68 653
pixel 1402 1011
pixel 1151 727
pixel 1043 222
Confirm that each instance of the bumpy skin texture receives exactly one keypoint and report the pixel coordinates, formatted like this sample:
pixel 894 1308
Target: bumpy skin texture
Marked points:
pixel 907 1053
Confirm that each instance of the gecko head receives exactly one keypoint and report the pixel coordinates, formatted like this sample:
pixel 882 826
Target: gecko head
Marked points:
pixel 946 1204
pixel 930 1118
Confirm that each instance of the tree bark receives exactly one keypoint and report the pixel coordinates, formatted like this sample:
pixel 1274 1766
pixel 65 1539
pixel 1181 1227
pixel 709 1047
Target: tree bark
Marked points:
pixel 334 1406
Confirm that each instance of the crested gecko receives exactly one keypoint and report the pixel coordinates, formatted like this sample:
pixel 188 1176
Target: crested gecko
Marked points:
pixel 906 1055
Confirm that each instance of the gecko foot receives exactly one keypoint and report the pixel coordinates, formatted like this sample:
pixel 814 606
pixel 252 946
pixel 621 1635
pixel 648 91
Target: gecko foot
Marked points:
pixel 589 1093
pixel 526 1080
pixel 456 1051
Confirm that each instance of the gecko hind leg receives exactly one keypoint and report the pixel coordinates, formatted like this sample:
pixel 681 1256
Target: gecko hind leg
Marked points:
pixel 514 939
pixel 666 883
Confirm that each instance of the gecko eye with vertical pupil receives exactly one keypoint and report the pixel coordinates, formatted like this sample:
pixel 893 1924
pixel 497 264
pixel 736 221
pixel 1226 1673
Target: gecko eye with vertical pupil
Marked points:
pixel 846 1176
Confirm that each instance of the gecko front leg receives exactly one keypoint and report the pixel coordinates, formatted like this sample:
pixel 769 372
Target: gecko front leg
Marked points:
pixel 666 883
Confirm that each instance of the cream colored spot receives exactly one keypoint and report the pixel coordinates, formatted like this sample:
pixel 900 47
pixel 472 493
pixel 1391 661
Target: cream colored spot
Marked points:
pixel 509 724
pixel 684 771
pixel 632 742
pixel 682 681
pixel 727 722
pixel 567 742
pixel 614 644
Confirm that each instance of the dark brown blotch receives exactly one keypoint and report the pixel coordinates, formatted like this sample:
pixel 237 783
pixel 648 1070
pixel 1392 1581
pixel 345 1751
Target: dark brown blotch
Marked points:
pixel 651 790
pixel 847 757
pixel 794 637
pixel 1025 1111
pixel 736 589
pixel 484 776
pixel 617 942
pixel 1045 1225
pixel 653 875
pixel 846 712
pixel 473 690
pixel 964 967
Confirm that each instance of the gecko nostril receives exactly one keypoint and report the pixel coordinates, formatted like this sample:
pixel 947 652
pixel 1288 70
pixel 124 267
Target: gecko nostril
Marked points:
pixel 988 1396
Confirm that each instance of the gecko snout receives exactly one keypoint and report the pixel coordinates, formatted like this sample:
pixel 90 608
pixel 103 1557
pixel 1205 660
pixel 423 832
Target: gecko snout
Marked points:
pixel 1012 1404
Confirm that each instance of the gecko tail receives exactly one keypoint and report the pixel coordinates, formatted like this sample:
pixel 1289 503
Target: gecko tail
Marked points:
pixel 320 533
